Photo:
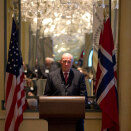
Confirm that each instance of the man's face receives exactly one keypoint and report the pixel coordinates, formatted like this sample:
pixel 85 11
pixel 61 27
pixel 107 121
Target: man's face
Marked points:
pixel 48 63
pixel 66 63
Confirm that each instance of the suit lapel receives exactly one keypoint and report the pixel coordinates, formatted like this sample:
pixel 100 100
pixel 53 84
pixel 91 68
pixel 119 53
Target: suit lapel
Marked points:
pixel 62 77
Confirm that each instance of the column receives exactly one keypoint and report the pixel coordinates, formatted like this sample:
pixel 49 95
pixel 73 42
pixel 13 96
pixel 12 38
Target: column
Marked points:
pixel 124 65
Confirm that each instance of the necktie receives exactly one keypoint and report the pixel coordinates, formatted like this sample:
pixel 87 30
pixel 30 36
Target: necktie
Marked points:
pixel 66 77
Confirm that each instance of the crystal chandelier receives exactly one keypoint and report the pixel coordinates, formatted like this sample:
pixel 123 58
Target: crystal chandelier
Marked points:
pixel 58 17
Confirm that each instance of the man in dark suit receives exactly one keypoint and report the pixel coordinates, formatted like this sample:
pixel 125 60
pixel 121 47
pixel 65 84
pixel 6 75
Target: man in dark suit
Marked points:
pixel 50 65
pixel 73 84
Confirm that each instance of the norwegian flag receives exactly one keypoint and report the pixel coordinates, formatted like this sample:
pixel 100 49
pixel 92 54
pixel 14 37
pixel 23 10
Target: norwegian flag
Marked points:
pixel 15 94
pixel 80 61
pixel 105 86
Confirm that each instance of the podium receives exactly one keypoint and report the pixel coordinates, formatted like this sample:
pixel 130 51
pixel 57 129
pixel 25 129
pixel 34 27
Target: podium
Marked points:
pixel 62 112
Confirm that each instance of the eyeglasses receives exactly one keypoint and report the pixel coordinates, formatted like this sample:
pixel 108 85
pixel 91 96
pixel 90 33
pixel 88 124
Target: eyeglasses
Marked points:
pixel 66 61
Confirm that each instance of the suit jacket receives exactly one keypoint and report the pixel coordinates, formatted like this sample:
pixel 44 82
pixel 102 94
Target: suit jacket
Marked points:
pixel 56 85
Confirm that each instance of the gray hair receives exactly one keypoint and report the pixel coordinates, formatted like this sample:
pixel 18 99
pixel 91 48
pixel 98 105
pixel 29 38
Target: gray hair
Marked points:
pixel 68 54
pixel 50 59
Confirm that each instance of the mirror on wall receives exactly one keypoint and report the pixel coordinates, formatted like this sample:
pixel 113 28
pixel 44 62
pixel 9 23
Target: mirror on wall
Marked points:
pixel 52 27
pixel 48 28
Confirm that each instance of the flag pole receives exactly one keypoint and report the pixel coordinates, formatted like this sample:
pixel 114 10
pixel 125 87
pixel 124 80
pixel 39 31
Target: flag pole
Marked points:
pixel 19 40
pixel 5 40
pixel 110 10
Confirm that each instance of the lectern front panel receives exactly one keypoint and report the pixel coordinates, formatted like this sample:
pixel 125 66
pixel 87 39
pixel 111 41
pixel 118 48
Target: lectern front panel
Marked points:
pixel 66 107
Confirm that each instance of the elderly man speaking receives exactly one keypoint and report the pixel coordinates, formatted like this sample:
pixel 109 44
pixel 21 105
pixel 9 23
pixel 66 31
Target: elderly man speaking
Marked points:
pixel 67 81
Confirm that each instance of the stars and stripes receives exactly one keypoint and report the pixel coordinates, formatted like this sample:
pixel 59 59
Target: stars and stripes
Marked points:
pixel 105 86
pixel 14 84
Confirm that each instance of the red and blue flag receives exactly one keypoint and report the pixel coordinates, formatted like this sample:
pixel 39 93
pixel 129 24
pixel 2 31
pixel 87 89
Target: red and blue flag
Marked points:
pixel 106 86
pixel 15 102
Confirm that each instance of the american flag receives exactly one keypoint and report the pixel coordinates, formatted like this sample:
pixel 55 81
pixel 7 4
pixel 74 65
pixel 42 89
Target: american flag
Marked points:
pixel 15 102
pixel 105 86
